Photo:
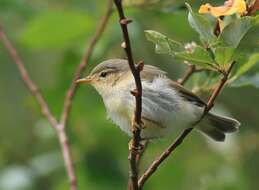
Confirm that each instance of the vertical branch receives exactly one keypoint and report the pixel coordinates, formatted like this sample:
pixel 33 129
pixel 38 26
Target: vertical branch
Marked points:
pixel 136 125
pixel 153 167
pixel 67 156
pixel 73 87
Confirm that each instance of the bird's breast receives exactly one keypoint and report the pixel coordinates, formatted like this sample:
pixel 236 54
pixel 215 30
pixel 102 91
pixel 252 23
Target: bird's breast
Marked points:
pixel 119 110
pixel 162 108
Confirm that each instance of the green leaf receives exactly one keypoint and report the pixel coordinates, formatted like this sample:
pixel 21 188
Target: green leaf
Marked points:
pixel 233 33
pixel 56 29
pixel 230 39
pixel 253 60
pixel 163 43
pixel 246 81
pixel 223 55
pixel 249 42
pixel 201 25
pixel 199 57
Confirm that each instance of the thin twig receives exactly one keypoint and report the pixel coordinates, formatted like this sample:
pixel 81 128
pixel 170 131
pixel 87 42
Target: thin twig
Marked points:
pixel 136 124
pixel 253 8
pixel 33 88
pixel 67 156
pixel 190 70
pixel 73 87
pixel 218 89
pixel 153 167
pixel 71 92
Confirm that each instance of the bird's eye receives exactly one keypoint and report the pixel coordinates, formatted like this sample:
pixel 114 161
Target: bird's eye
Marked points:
pixel 103 74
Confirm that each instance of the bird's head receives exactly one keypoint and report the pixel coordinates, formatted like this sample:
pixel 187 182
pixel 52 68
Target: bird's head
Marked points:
pixel 106 75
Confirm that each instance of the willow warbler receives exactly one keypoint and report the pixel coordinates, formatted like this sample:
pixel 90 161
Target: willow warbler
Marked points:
pixel 166 105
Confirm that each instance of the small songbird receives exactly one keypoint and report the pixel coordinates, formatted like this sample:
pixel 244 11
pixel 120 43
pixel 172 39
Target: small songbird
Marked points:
pixel 166 105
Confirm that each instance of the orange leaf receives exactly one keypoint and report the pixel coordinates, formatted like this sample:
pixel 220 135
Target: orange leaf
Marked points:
pixel 230 7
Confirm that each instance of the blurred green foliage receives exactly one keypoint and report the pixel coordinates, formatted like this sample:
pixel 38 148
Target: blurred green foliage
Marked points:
pixel 51 37
pixel 44 31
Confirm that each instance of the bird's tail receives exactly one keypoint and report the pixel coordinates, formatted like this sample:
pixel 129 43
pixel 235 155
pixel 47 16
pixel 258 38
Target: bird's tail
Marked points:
pixel 215 126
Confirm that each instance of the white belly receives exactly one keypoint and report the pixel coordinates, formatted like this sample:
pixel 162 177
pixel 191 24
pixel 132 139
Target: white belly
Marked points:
pixel 164 110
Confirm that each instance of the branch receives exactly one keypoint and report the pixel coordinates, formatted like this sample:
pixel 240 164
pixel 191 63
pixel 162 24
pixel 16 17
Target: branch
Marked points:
pixel 190 70
pixel 73 87
pixel 218 89
pixel 188 73
pixel 153 167
pixel 33 88
pixel 71 93
pixel 136 124
pixel 253 8
pixel 67 156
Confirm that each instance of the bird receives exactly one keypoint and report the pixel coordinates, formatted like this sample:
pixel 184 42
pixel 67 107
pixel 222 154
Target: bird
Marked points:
pixel 166 105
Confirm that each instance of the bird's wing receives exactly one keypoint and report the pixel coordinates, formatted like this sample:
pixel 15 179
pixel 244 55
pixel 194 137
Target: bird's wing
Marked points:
pixel 148 121
pixel 150 72
pixel 187 95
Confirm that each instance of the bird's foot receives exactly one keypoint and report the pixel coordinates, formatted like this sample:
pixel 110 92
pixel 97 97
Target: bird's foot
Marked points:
pixel 138 148
pixel 138 126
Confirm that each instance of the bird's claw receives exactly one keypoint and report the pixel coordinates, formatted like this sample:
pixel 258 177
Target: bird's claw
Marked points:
pixel 138 126
pixel 138 148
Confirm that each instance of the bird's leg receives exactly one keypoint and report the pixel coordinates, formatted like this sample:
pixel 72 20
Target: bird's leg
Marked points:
pixel 139 126
pixel 138 149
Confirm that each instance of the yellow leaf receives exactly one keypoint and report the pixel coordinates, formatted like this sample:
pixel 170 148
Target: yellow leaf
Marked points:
pixel 230 7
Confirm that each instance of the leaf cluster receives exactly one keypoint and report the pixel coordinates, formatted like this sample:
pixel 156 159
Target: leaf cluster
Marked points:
pixel 215 52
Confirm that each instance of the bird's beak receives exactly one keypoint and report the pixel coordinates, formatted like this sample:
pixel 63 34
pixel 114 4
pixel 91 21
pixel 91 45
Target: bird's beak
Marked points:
pixel 86 80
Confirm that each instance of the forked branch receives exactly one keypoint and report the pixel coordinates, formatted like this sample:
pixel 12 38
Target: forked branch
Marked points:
pixel 33 88
pixel 153 167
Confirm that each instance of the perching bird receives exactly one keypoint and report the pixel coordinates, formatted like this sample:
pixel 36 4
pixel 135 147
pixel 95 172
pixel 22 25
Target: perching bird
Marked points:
pixel 166 105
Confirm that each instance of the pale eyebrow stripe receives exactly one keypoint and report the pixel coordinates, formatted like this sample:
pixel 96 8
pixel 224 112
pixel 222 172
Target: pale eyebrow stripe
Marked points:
pixel 111 69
